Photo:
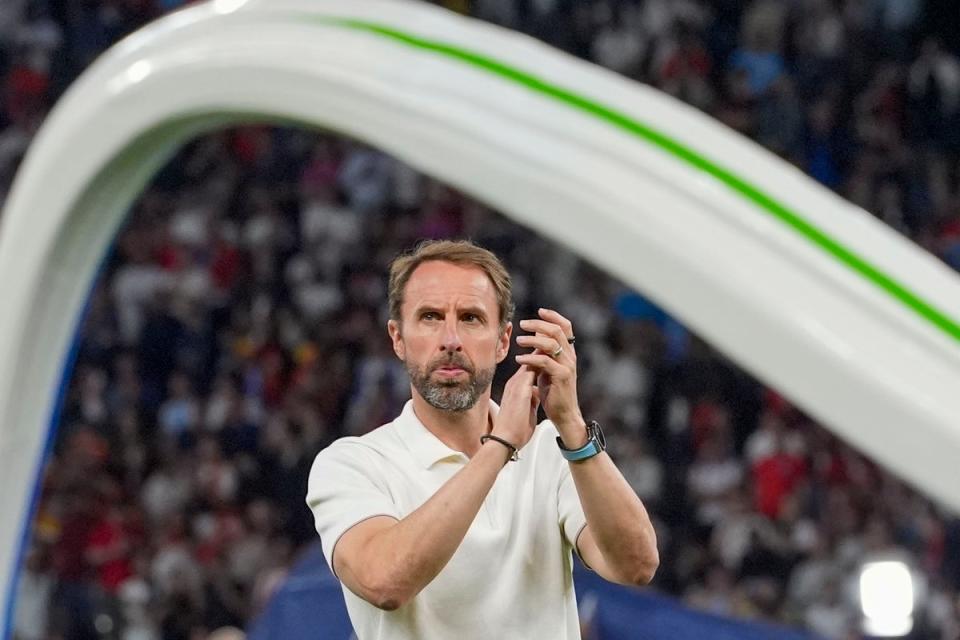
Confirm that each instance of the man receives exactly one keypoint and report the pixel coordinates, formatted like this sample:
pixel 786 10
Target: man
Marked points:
pixel 457 520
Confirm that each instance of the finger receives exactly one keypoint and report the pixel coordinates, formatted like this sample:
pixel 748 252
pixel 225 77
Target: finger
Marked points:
pixel 543 383
pixel 545 364
pixel 546 328
pixel 552 332
pixel 523 376
pixel 553 316
pixel 545 344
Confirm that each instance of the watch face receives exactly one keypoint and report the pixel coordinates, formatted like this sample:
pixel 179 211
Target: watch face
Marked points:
pixel 597 432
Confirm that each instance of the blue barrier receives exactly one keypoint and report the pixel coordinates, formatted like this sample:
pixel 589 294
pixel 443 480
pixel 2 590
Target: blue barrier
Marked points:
pixel 309 606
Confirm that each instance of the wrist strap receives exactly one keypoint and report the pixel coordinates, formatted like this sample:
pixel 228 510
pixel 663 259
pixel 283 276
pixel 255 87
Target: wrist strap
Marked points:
pixel 595 444
pixel 514 452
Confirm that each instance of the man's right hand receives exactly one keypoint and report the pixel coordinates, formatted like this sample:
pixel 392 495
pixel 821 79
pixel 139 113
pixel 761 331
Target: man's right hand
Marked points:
pixel 517 418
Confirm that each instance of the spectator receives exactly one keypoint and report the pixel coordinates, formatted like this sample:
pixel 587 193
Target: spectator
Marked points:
pixel 179 414
pixel 620 43
pixel 34 594
pixel 713 476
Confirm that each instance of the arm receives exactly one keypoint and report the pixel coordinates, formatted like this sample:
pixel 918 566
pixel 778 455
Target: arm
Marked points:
pixel 386 561
pixel 619 541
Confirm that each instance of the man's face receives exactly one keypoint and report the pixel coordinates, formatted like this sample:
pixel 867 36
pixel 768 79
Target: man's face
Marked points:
pixel 450 337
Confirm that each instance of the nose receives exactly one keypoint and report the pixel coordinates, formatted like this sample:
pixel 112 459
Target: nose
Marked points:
pixel 451 339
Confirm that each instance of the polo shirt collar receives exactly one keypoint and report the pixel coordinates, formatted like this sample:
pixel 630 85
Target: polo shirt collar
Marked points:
pixel 426 448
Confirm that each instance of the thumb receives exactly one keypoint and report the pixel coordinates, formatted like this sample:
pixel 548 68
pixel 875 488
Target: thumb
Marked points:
pixel 534 400
pixel 525 375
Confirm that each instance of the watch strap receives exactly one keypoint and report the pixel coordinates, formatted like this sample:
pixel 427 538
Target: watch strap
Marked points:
pixel 575 455
pixel 595 444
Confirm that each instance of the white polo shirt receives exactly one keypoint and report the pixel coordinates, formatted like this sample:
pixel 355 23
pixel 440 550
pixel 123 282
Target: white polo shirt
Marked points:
pixel 511 577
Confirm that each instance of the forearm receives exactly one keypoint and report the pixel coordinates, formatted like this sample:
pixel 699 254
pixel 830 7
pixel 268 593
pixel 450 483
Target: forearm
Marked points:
pixel 620 541
pixel 617 521
pixel 407 556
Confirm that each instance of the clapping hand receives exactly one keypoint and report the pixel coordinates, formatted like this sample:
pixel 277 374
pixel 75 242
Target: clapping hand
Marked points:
pixel 517 417
pixel 554 360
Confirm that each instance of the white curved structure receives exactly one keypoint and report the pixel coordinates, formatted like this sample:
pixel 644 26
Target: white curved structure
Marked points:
pixel 859 326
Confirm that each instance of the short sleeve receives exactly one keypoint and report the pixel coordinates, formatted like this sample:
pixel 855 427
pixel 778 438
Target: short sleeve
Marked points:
pixel 569 510
pixel 345 489
pixel 572 519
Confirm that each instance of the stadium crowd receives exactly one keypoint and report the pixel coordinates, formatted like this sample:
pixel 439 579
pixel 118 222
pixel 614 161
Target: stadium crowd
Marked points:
pixel 238 326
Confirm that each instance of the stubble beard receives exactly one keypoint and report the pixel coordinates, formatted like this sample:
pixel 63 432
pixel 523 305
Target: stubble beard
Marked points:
pixel 450 395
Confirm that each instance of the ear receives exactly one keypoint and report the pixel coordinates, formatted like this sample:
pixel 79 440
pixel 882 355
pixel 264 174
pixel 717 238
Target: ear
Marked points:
pixel 393 328
pixel 503 342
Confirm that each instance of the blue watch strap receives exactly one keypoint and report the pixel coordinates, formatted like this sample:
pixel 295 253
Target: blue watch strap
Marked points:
pixel 588 450
pixel 595 444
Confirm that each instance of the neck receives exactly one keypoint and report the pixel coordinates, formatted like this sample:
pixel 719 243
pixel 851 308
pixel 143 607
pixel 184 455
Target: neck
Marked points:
pixel 459 430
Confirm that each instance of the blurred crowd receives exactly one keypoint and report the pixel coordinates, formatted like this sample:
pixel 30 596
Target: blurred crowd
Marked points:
pixel 238 326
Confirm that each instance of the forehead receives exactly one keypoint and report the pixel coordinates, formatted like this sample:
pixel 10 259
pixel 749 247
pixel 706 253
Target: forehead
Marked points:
pixel 438 282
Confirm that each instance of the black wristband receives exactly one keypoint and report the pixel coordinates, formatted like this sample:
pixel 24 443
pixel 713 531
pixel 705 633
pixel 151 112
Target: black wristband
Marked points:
pixel 514 452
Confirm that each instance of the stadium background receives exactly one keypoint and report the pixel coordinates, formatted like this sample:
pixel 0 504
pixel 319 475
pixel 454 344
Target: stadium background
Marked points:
pixel 237 327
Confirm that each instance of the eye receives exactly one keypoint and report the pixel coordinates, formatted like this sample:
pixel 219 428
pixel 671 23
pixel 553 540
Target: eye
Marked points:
pixel 471 317
pixel 429 315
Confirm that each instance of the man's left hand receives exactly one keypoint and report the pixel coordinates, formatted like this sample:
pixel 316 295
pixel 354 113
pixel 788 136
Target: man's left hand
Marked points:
pixel 555 361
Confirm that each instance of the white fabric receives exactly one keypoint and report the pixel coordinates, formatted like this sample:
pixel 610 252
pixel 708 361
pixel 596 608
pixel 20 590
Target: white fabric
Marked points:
pixel 511 577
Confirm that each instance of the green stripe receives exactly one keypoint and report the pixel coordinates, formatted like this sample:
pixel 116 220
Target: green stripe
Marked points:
pixel 763 201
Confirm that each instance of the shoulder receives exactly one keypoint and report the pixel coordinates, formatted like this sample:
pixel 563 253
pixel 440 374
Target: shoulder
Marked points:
pixel 379 443
pixel 352 462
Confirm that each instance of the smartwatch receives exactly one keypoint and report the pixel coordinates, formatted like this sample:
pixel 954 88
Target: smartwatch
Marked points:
pixel 595 444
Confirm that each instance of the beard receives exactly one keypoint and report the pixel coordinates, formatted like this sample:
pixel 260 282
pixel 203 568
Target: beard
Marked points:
pixel 450 395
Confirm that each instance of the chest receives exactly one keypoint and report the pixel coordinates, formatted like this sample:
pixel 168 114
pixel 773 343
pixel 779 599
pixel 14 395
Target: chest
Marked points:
pixel 519 518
